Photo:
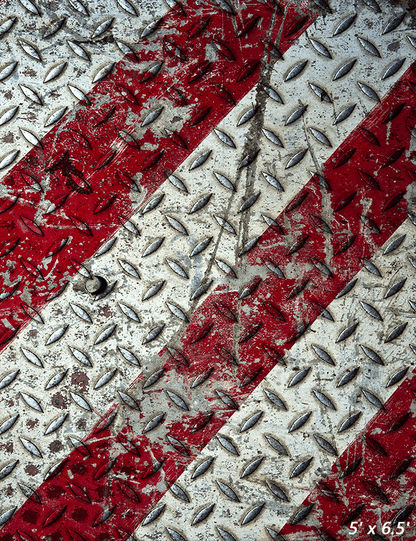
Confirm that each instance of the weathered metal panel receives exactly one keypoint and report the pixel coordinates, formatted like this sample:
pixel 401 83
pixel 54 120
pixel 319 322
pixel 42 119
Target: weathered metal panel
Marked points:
pixel 243 339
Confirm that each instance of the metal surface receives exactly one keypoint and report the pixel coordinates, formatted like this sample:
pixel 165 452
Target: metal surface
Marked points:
pixel 39 37
pixel 182 284
pixel 298 414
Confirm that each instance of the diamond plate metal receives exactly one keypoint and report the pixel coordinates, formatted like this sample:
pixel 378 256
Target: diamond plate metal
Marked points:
pixel 94 134
pixel 184 239
pixel 304 414
pixel 145 297
pixel 51 48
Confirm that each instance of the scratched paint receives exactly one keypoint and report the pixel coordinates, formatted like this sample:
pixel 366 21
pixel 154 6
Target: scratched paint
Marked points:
pixel 370 488
pixel 311 382
pixel 198 333
pixel 49 234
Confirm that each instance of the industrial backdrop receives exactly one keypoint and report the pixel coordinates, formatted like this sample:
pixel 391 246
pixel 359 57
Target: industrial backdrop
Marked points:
pixel 208 270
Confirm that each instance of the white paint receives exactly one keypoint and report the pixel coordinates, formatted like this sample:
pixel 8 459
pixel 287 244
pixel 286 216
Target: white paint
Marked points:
pixel 299 400
pixel 54 51
pixel 200 225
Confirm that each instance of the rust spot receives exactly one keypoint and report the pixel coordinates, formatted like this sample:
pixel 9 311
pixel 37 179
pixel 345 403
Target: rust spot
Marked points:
pixel 29 72
pixel 8 138
pixel 81 424
pixel 31 469
pixel 7 446
pixel 55 536
pixel 30 516
pixel 59 401
pixel 56 446
pixel 395 46
pixel 32 423
pixel 68 170
pixel 55 492
pixel 79 468
pixel 8 95
pixel 81 379
pixel 105 311
pixel 103 492
pixel 30 116
pixel 128 470
pixel 80 514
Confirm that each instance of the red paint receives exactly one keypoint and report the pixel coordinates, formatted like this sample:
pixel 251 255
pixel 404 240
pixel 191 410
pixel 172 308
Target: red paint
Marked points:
pixel 87 162
pixel 273 303
pixel 377 483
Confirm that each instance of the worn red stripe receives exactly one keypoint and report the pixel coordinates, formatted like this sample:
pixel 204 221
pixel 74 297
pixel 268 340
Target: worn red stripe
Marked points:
pixel 86 164
pixel 276 311
pixel 379 493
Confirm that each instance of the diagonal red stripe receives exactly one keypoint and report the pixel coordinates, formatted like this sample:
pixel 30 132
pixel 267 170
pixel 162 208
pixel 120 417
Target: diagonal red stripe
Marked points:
pixel 83 172
pixel 276 311
pixel 371 488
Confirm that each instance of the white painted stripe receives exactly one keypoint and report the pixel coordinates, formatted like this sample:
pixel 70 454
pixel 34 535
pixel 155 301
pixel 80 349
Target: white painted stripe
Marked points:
pixel 299 400
pixel 200 225
pixel 54 51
